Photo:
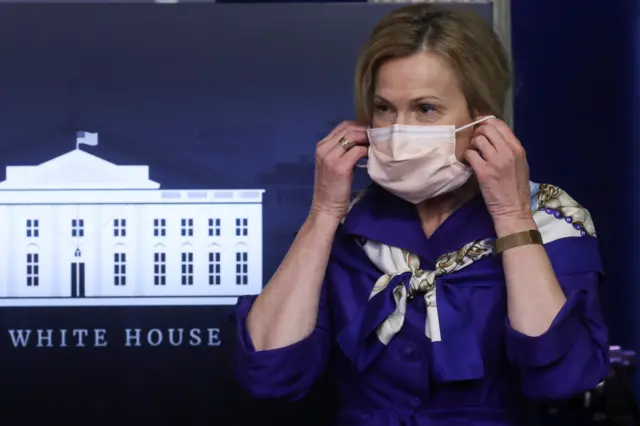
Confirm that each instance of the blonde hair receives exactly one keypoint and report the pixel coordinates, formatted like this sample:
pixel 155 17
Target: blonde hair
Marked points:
pixel 458 34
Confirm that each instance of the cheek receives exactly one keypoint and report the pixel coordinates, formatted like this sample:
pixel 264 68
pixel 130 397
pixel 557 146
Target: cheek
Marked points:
pixel 462 144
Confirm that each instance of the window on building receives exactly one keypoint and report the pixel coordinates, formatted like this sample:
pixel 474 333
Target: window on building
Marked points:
pixel 119 227
pixel 159 227
pixel 242 227
pixel 33 270
pixel 187 268
pixel 120 269
pixel 33 228
pixel 242 268
pixel 77 227
pixel 159 269
pixel 187 228
pixel 214 268
pixel 214 227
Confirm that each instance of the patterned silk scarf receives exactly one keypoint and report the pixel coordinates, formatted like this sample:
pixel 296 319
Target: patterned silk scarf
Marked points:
pixel 394 262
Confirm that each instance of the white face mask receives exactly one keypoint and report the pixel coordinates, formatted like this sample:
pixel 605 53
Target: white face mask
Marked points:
pixel 417 163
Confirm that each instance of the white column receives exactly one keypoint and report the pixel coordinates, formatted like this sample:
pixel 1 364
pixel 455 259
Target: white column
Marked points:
pixel 105 254
pixel 98 283
pixel 12 262
pixel 49 250
pixel 227 248
pixel 200 232
pixel 139 252
pixel 4 251
pixel 59 247
pixel 256 242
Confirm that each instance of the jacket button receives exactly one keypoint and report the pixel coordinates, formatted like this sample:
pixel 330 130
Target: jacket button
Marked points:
pixel 415 403
pixel 409 352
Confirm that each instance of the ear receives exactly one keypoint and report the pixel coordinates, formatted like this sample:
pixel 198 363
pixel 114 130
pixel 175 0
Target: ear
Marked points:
pixel 477 115
pixel 484 116
pixel 474 114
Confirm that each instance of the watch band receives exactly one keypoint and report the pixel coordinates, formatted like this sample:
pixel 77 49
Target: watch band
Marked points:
pixel 524 238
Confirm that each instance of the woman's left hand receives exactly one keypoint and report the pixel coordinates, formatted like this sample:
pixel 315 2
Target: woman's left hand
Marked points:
pixel 500 165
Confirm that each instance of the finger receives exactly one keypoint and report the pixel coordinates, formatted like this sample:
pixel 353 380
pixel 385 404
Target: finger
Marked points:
pixel 485 148
pixel 507 135
pixel 474 159
pixel 351 132
pixel 355 137
pixel 339 129
pixel 493 136
pixel 505 131
pixel 351 157
pixel 331 137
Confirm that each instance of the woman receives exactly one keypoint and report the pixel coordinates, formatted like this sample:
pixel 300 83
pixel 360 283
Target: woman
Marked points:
pixel 453 289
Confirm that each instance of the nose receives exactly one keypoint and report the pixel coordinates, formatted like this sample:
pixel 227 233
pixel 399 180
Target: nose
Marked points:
pixel 403 118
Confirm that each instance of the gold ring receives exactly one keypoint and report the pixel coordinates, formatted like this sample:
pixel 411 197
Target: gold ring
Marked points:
pixel 346 144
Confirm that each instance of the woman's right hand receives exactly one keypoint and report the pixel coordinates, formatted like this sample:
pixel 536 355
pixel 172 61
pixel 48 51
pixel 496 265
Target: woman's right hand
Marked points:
pixel 334 169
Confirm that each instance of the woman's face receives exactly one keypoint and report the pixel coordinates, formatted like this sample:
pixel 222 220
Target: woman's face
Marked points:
pixel 421 90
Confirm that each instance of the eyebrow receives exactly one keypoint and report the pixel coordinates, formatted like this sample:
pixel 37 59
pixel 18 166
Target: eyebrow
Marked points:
pixel 418 99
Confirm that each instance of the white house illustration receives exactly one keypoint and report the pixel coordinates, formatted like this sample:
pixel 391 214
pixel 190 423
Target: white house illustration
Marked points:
pixel 80 231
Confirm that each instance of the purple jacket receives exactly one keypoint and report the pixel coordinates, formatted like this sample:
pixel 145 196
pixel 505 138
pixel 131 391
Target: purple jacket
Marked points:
pixel 480 373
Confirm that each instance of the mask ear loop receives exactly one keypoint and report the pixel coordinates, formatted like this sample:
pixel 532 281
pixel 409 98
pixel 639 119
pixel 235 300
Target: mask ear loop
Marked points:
pixel 363 166
pixel 474 123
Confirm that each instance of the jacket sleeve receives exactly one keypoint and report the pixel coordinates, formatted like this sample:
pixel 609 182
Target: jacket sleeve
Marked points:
pixel 571 357
pixel 287 372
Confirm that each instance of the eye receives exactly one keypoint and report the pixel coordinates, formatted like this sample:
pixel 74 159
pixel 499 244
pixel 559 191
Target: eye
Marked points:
pixel 381 107
pixel 426 108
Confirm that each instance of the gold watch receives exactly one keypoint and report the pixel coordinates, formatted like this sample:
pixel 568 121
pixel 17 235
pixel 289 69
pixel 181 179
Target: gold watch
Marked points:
pixel 524 238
